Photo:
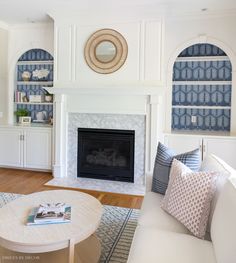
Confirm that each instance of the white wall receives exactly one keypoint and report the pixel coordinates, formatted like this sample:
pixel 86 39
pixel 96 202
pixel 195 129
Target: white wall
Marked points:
pixel 3 74
pixel 21 39
pixel 181 32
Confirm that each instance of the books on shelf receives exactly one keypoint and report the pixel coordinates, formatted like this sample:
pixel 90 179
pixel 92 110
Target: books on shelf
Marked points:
pixel 51 213
pixel 20 96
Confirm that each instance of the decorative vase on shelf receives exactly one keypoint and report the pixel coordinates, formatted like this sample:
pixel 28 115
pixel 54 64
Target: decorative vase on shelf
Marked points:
pixel 48 98
pixel 41 116
pixel 26 75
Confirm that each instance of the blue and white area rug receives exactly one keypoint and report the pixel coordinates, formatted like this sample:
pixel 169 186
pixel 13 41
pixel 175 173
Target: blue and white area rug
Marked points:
pixel 116 230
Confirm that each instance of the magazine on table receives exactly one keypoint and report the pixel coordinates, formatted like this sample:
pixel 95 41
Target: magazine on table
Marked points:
pixel 50 214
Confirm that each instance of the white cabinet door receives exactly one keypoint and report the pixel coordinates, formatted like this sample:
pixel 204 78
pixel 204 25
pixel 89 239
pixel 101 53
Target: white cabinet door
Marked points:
pixel 37 148
pixel 225 148
pixel 182 143
pixel 11 147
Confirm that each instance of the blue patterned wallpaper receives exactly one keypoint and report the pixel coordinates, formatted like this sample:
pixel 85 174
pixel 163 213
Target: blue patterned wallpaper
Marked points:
pixel 202 71
pixel 36 108
pixel 207 119
pixel 199 94
pixel 202 50
pixel 36 54
pixel 27 88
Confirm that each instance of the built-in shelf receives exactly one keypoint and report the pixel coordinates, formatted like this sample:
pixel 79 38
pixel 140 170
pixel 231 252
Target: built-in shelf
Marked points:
pixel 201 107
pixel 203 58
pixel 35 62
pixel 38 63
pixel 49 83
pixel 35 103
pixel 200 82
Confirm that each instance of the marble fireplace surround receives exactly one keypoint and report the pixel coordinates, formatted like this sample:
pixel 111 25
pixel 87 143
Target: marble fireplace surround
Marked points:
pixel 146 125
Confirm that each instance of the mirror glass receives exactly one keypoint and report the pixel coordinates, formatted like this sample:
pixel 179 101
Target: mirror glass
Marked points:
pixel 105 51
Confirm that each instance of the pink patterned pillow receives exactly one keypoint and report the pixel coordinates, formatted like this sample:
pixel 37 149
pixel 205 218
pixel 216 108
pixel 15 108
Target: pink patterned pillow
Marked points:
pixel 188 197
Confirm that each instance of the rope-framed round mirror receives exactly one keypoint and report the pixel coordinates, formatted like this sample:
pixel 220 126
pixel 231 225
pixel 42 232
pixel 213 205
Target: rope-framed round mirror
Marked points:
pixel 105 51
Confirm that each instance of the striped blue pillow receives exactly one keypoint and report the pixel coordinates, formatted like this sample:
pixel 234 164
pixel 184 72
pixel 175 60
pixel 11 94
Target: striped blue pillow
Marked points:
pixel 163 163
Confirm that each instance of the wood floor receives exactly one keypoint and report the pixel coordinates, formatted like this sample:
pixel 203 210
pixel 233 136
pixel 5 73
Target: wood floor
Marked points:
pixel 26 182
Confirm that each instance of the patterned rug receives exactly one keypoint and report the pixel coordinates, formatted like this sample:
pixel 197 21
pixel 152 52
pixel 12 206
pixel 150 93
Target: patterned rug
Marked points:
pixel 116 230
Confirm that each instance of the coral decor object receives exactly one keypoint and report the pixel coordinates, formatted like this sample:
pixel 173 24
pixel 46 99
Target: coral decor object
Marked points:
pixel 41 73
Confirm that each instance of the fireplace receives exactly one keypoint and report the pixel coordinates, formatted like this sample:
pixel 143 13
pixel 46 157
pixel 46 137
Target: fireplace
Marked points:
pixel 106 154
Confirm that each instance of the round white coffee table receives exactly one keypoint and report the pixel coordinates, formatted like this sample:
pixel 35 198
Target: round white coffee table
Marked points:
pixel 54 242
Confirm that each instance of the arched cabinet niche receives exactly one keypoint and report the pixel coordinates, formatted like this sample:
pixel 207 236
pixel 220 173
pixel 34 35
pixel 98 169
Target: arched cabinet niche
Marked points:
pixel 201 90
pixel 34 71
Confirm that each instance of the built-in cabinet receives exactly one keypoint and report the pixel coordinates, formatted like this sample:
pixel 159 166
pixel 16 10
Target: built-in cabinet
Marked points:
pixel 29 144
pixel 11 148
pixel 222 146
pixel 26 147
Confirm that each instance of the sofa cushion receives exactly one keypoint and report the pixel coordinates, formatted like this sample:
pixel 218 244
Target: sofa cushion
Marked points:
pixel 223 229
pixel 152 245
pixel 153 216
pixel 163 161
pixel 188 196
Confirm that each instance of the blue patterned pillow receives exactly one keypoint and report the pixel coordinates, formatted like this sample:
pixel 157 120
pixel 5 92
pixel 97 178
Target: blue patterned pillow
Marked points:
pixel 163 163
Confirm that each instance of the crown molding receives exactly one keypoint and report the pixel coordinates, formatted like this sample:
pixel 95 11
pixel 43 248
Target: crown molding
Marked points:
pixel 191 15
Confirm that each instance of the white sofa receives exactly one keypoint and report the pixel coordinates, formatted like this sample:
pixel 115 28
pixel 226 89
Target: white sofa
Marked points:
pixel 160 238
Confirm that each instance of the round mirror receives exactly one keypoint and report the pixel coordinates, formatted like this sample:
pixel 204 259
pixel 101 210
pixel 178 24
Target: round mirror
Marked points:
pixel 105 51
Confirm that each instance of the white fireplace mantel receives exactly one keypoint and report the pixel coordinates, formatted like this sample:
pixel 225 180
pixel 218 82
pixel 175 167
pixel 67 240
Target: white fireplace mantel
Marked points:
pixel 152 98
pixel 105 90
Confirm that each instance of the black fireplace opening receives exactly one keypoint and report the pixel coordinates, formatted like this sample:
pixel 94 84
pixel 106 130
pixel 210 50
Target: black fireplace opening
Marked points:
pixel 106 154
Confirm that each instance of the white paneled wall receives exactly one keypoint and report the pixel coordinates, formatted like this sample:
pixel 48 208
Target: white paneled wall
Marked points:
pixel 153 50
pixel 143 62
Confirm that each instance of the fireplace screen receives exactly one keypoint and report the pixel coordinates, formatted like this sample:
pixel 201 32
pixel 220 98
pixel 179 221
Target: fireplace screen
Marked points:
pixel 106 154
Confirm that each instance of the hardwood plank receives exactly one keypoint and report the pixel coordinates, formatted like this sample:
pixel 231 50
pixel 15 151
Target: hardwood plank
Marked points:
pixel 27 182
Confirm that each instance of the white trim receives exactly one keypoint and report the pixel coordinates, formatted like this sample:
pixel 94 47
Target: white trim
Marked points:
pixel 34 82
pixel 32 62
pixel 142 34
pixel 202 107
pixel 209 40
pixel 122 90
pixel 73 51
pixel 199 82
pixel 35 103
pixel 56 48
pixel 202 58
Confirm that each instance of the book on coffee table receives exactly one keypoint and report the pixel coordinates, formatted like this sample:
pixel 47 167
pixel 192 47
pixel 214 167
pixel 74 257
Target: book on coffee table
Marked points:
pixel 49 214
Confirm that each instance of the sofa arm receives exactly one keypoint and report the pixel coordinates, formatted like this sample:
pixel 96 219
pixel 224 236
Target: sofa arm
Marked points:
pixel 148 182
